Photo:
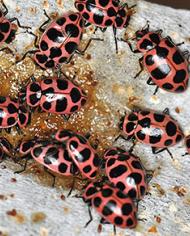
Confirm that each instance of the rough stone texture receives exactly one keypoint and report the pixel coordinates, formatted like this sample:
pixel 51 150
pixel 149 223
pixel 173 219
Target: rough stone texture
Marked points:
pixel 68 217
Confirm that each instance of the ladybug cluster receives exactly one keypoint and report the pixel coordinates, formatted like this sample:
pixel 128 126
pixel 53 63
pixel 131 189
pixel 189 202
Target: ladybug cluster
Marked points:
pixel 118 180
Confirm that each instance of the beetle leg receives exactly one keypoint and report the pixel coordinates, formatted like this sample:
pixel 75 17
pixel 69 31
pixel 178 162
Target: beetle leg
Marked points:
pixel 72 187
pixel 7 49
pixel 66 117
pixel 18 23
pixel 141 66
pixel 26 53
pixel 52 175
pixel 28 157
pixel 8 130
pixel 158 150
pixel 90 215
pixel 5 7
pixel 150 81
pixel 166 111
pixel 115 38
pixel 41 29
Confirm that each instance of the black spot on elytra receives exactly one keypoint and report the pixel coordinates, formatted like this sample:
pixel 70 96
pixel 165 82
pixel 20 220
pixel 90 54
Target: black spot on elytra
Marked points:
pixel 162 52
pixel 132 193
pixel 108 22
pixel 179 76
pixel 26 146
pixel 4 27
pixel 155 38
pixel 159 117
pixel 80 7
pixel 87 169
pixel 61 21
pixel 85 155
pixel 107 192
pixel 12 109
pixel 54 35
pixel 188 142
pixel 169 43
pixel 70 47
pixel 73 17
pixel 22 118
pixel 140 135
pixel 145 122
pixel 129 222
pixel 33 99
pixel 146 44
pixel 37 151
pixel 62 168
pixel 2 99
pixel 137 165
pixel 168 142
pixel 98 18
pixel 155 138
pixel 85 15
pixel 111 12
pixel 149 60
pixel 171 129
pixel 167 86
pixel 75 95
pixel 48 81
pixel 104 3
pixel 118 171
pixel 126 209
pixel 46 105
pixel 74 108
pixel 137 177
pixel 1 37
pixel 41 58
pixel 108 209
pixel 96 161
pixel 118 220
pixel 161 72
pixel 97 201
pixel 123 157
pixel 61 105
pixel 179 138
pixel 110 162
pixel 130 126
pixel 11 121
pixel 120 186
pixel 34 87
pixel 72 30
pixel 90 191
pixel 62 84
pixel 55 52
pixel 43 45
pixel 178 58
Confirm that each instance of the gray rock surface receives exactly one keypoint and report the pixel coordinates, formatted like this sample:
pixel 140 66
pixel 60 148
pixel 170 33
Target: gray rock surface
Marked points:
pixel 68 217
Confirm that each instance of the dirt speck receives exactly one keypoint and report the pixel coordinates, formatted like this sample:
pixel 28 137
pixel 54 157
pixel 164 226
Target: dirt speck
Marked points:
pixel 38 217
pixel 180 190
pixel 152 229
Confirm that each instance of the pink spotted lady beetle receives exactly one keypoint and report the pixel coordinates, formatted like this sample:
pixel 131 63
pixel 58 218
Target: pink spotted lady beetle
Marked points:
pixel 152 128
pixel 113 206
pixel 125 171
pixel 53 95
pixel 59 41
pixel 164 61
pixel 12 113
pixel 105 13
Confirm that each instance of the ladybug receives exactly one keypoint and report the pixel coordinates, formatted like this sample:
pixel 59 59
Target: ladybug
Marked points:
pixel 59 41
pixel 52 156
pixel 125 171
pixel 81 152
pixel 7 27
pixel 164 61
pixel 12 113
pixel 113 206
pixel 104 13
pixel 5 148
pixel 159 130
pixel 54 95
pixel 187 143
